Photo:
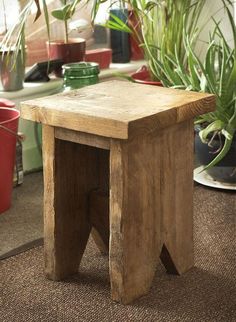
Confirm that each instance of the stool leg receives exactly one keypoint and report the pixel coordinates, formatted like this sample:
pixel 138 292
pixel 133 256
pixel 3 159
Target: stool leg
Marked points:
pixel 69 174
pixel 134 217
pixel 177 197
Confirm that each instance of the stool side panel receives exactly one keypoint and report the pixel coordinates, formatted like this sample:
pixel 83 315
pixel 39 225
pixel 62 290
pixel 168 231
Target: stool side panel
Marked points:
pixel 135 216
pixel 177 195
pixel 69 175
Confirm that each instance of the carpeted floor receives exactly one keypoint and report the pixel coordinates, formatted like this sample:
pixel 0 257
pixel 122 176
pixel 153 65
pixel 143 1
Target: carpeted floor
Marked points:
pixel 206 293
pixel 21 226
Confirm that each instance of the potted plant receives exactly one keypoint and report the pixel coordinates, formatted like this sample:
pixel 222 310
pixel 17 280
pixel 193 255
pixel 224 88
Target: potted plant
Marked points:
pixel 159 24
pixel 15 39
pixel 69 50
pixel 12 59
pixel 168 36
pixel 215 142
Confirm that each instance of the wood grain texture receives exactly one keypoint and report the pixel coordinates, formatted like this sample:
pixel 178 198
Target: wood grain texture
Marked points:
pixel 177 197
pixel 82 138
pixel 115 109
pixel 135 238
pixel 69 176
pixel 49 197
pixel 99 202
pixel 151 208
pixel 148 178
pixel 99 219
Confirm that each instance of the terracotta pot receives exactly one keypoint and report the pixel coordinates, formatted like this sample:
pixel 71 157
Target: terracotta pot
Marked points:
pixel 142 76
pixel 72 52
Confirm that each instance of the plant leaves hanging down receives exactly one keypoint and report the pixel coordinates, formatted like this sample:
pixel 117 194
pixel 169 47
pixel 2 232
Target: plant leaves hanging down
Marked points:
pixel 14 40
pixel 216 75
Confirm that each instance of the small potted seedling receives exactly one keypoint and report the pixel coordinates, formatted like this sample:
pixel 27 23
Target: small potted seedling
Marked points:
pixel 68 49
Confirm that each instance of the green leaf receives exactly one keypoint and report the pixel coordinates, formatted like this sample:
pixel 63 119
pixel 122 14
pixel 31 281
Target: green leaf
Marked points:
pixel 233 27
pixel 38 12
pixel 220 155
pixel 193 72
pixel 46 17
pixel 227 134
pixel 209 61
pixel 115 26
pixel 214 126
pixel 116 21
pixel 64 13
pixel 124 76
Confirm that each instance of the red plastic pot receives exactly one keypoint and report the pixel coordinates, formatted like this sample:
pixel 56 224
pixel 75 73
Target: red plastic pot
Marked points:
pixel 136 51
pixel 142 76
pixel 102 56
pixel 72 52
pixel 9 118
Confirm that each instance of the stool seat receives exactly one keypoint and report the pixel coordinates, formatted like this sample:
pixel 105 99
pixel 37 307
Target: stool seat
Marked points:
pixel 118 163
pixel 115 109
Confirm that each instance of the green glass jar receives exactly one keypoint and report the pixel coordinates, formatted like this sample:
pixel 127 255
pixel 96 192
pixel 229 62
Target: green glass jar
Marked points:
pixel 77 75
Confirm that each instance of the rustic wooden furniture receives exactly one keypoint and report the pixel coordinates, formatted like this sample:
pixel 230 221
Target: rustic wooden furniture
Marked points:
pixel 135 143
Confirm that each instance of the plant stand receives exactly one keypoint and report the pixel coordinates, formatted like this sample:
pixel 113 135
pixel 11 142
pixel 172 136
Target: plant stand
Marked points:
pixel 136 147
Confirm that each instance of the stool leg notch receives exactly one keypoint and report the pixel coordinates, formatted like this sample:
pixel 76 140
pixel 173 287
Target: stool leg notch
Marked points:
pixel 167 261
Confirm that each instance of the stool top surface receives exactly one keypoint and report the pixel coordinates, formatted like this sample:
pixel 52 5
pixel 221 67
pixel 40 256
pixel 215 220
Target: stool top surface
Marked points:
pixel 117 109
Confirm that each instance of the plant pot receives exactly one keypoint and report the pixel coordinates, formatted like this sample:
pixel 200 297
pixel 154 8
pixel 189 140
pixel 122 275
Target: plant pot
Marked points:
pixel 102 56
pixel 120 43
pixel 225 170
pixel 137 52
pixel 9 118
pixel 12 76
pixel 142 76
pixel 72 52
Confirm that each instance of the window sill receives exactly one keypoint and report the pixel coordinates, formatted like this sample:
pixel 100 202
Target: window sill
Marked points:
pixel 34 90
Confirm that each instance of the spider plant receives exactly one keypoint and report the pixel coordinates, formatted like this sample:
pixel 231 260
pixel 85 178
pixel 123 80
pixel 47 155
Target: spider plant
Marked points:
pixel 14 39
pixel 159 24
pixel 216 75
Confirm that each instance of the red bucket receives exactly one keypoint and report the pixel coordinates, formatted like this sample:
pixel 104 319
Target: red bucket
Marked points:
pixel 9 119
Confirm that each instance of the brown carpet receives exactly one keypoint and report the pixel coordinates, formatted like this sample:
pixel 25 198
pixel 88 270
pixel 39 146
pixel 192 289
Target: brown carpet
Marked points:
pixel 206 293
pixel 22 224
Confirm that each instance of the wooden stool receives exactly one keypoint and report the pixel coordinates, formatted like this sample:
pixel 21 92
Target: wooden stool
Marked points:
pixel 135 143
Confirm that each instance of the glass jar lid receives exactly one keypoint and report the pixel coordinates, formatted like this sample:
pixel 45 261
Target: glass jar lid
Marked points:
pixel 81 69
